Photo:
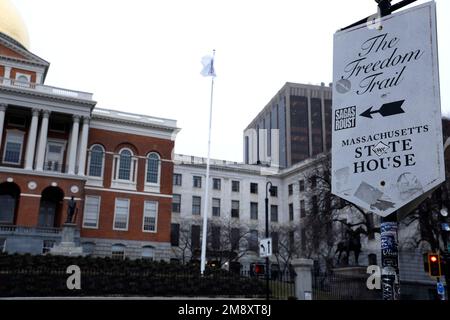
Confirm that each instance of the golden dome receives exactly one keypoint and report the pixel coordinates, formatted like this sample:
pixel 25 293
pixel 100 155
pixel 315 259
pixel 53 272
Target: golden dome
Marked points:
pixel 12 24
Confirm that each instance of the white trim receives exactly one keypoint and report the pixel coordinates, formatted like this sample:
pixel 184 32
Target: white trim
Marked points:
pixel 129 192
pixel 30 195
pixel 156 217
pixel 167 134
pixel 52 174
pixel 129 184
pixel 99 199
pixel 151 186
pixel 89 163
pixel 115 213
pixel 13 133
pixel 69 198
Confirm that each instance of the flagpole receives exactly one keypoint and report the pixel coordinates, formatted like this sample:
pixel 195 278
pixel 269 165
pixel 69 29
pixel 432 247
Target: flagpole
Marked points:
pixel 205 207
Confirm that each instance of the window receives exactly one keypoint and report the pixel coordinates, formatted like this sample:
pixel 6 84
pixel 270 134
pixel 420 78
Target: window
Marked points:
pixel 125 165
pixel 150 219
pixel 22 80
pixel 234 209
pixel 274 236
pixel 291 212
pixel 153 168
pixel 148 253
pixel 121 214
pixel 47 245
pixel 176 203
pixel 235 186
pixel 254 188
pixel 177 179
pixel 313 181
pixel 88 248
pixel 91 212
pixel 274 213
pixel 96 161
pixel 195 237
pixel 274 191
pixel 55 156
pixel 290 189
pixel 13 147
pixel 302 185
pixel 254 210
pixel 196 205
pixel 302 209
pixel 215 237
pixel 197 182
pixel 253 241
pixel 216 207
pixel 216 184
pixel 175 234
pixel 124 169
pixel 118 251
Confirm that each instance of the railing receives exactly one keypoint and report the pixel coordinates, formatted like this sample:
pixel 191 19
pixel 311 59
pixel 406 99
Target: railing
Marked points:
pixel 29 230
pixel 45 89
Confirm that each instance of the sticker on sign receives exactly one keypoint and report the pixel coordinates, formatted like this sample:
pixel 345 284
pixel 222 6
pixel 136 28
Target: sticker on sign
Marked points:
pixel 387 127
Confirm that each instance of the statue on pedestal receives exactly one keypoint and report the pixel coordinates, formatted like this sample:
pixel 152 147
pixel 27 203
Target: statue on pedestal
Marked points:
pixel 71 208
pixel 351 243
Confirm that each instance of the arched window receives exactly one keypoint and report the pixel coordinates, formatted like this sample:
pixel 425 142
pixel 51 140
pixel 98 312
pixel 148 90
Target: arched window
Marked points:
pixel 153 168
pixel 125 164
pixel 118 251
pixel 125 167
pixel 96 161
pixel 88 248
pixel 148 252
pixel 9 198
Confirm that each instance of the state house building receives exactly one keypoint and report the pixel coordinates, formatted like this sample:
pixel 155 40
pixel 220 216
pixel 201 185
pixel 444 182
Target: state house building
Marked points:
pixel 55 146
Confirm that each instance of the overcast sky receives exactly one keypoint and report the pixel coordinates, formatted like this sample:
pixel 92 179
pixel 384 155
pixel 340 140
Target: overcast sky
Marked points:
pixel 143 56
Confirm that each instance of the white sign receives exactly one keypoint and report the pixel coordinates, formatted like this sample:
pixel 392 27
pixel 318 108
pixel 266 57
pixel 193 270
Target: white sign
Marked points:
pixel 387 128
pixel 265 247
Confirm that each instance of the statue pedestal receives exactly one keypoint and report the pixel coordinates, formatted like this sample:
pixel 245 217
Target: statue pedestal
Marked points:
pixel 67 246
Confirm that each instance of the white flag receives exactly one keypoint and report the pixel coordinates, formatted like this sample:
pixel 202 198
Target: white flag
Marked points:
pixel 208 67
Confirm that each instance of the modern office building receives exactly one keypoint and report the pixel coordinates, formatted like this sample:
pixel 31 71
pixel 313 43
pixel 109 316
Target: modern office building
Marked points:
pixel 295 125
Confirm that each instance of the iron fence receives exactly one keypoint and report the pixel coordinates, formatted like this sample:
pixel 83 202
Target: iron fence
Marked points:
pixel 48 282
pixel 330 286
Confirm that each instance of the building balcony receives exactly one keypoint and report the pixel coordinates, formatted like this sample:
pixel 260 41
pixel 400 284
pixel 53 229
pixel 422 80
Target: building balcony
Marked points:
pixel 35 87
pixel 10 230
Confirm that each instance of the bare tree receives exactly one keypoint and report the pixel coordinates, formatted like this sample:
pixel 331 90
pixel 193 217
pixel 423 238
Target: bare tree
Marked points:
pixel 185 251
pixel 228 240
pixel 286 244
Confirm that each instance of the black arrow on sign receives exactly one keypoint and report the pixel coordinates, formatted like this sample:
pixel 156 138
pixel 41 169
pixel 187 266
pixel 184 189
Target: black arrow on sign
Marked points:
pixel 387 110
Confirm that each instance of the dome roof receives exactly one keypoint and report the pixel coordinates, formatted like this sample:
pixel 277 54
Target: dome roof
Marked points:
pixel 12 24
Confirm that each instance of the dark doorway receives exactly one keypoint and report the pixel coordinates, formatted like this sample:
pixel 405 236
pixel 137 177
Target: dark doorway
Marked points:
pixel 51 206
pixel 9 199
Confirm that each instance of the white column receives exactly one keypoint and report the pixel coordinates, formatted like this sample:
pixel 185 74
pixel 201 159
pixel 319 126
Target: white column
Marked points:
pixel 83 146
pixel 2 120
pixel 42 141
pixel 73 144
pixel 31 141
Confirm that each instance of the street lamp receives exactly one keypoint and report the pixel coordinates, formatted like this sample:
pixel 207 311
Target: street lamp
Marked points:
pixel 269 189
